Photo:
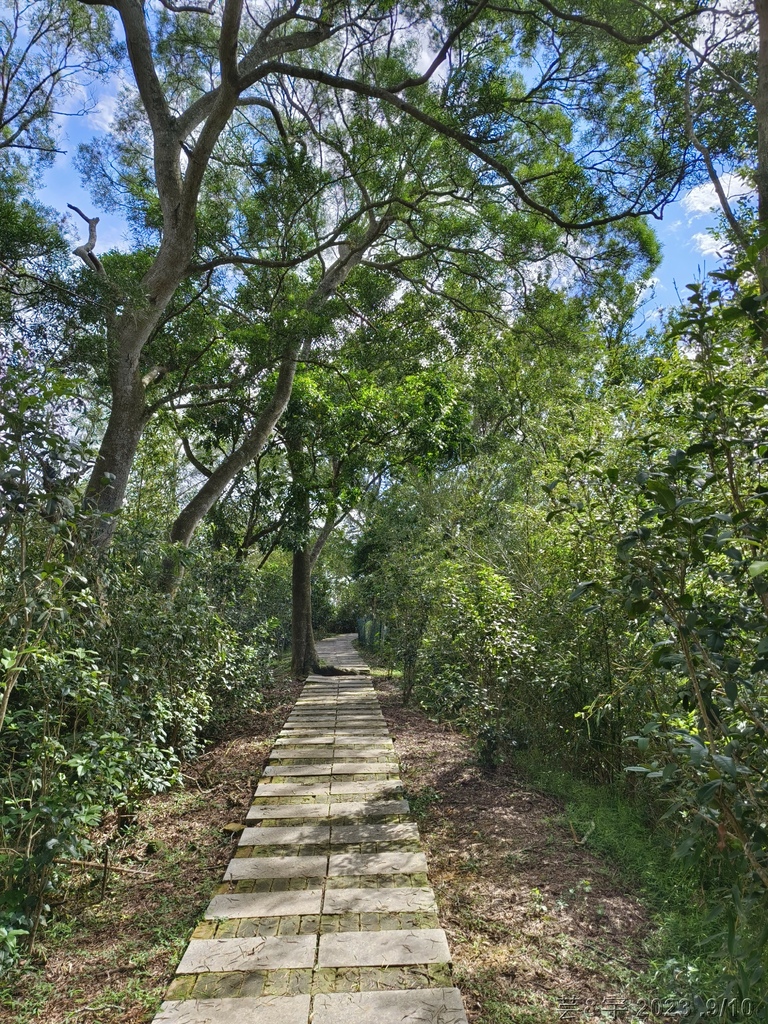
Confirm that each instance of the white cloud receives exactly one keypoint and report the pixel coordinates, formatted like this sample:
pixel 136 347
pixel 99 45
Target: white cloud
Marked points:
pixel 647 289
pixel 708 245
pixel 702 199
pixel 100 117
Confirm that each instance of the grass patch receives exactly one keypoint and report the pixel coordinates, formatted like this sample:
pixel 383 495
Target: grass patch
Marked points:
pixel 110 960
pixel 683 961
pixel 533 920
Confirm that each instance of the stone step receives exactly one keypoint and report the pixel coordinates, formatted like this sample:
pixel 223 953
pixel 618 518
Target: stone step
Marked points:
pixel 342 809
pixel 335 768
pixel 438 1005
pixel 276 867
pixel 219 955
pixel 282 741
pixel 263 1010
pixel 382 949
pixel 330 753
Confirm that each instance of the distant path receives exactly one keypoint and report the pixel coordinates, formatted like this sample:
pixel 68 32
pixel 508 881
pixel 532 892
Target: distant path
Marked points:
pixel 339 652
pixel 325 914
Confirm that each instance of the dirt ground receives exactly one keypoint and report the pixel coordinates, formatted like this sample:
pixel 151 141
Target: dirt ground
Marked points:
pixel 540 930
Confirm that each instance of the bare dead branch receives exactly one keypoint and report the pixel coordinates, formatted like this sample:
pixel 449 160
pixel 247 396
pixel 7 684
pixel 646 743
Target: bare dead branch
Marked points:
pixel 155 374
pixel 85 251
pixel 100 866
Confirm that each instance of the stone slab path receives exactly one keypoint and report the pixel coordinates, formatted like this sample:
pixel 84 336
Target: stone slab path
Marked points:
pixel 325 914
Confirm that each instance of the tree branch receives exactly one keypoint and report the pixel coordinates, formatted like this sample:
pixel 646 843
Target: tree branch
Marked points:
pixel 256 101
pixel 713 175
pixel 249 73
pixel 199 466
pixel 139 43
pixel 341 229
pixel 703 57
pixel 230 30
pixel 155 374
pixel 412 83
pixel 85 251
pixel 466 141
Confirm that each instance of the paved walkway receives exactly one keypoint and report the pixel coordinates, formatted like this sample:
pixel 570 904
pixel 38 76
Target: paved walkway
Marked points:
pixel 325 914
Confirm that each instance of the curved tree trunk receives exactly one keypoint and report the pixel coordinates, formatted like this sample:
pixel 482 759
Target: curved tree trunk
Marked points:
pixel 194 512
pixel 109 479
pixel 196 509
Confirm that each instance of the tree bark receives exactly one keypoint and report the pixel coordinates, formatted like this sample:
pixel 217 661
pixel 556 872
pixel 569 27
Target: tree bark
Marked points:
pixel 109 479
pixel 128 417
pixel 303 651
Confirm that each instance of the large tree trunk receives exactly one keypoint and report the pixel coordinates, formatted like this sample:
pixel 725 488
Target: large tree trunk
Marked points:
pixel 128 417
pixel 303 652
pixel 127 334
pixel 109 480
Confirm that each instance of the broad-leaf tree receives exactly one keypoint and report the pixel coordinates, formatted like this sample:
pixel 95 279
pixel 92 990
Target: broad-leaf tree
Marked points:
pixel 549 111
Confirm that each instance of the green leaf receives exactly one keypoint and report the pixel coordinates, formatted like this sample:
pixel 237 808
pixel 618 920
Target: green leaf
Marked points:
pixel 663 494
pixel 757 569
pixel 705 793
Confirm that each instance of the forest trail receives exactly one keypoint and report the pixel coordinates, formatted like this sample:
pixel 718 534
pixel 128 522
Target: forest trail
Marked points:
pixel 325 913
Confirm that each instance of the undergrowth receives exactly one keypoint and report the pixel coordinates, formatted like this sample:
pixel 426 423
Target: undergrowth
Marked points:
pixel 687 963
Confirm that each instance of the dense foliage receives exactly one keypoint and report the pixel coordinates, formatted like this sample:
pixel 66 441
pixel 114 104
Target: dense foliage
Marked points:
pixel 594 594
pixel 107 683
pixel 372 350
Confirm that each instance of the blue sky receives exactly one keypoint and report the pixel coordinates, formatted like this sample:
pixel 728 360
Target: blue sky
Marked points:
pixel 60 184
pixel 685 232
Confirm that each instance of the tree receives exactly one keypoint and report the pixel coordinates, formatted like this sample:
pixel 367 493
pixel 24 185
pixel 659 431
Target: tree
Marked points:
pixel 360 411
pixel 48 49
pixel 348 433
pixel 527 144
